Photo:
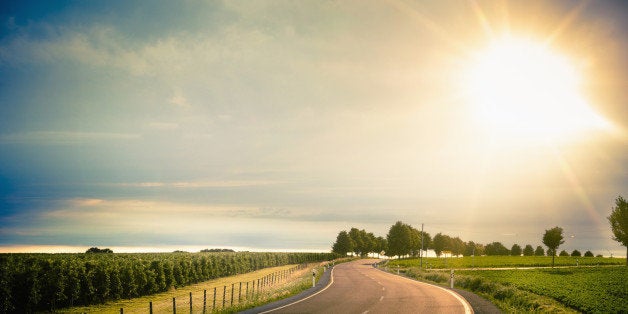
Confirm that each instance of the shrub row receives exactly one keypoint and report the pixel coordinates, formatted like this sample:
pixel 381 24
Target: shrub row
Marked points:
pixel 36 282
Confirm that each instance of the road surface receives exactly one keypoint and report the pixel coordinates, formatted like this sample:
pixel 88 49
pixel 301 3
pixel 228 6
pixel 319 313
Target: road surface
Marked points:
pixel 358 287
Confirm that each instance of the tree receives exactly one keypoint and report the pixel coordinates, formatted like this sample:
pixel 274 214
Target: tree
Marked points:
pixel 473 249
pixel 515 250
pixel 588 254
pixel 563 253
pixel 496 248
pixel 358 237
pixel 576 253
pixel 553 238
pixel 528 250
pixel 343 244
pixel 457 246
pixel 399 239
pixel 381 245
pixel 97 250
pixel 539 251
pixel 440 243
pixel 619 223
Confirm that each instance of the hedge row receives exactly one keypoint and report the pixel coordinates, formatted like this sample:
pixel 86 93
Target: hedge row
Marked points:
pixel 36 282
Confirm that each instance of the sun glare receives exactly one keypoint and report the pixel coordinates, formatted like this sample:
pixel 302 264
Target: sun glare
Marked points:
pixel 523 89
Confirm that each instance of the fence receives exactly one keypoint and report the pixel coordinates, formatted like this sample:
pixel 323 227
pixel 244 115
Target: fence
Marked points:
pixel 226 296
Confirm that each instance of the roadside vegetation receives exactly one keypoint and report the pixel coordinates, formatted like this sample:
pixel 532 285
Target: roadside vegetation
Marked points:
pixel 516 279
pixel 502 261
pixel 49 282
pixel 547 290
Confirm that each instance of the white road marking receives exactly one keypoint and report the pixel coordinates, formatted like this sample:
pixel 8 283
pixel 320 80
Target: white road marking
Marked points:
pixel 381 298
pixel 331 281
pixel 467 307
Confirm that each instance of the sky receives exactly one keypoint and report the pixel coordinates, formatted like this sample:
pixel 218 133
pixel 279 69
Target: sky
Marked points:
pixel 273 125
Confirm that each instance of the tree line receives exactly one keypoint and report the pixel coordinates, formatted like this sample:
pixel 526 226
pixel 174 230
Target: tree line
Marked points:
pixel 45 282
pixel 404 240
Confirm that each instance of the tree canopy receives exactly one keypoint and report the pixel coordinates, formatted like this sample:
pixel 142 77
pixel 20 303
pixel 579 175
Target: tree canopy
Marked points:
pixel 553 238
pixel 343 244
pixel 619 223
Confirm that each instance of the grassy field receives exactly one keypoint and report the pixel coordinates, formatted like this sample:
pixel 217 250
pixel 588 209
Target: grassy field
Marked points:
pixel 505 261
pixel 298 280
pixel 596 285
pixel 585 289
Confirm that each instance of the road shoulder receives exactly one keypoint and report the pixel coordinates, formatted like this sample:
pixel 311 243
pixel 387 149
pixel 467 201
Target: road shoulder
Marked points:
pixel 322 283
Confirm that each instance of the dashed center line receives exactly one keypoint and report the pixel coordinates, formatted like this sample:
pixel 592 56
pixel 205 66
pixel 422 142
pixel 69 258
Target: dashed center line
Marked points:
pixel 381 298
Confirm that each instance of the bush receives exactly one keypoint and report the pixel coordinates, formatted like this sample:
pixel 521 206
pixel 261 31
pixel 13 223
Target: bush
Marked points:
pixel 588 254
pixel 576 253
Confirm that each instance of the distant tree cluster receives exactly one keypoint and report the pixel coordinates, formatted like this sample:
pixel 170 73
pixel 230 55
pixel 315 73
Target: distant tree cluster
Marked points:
pixel 97 250
pixel 216 250
pixel 404 240
pixel 358 242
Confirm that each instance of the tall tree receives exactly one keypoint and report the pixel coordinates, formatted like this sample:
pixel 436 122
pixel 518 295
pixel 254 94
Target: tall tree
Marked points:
pixel 553 238
pixel 619 223
pixel 539 251
pixel 358 237
pixel 343 244
pixel 528 250
pixel 440 243
pixel 398 238
pixel 457 246
pixel 515 250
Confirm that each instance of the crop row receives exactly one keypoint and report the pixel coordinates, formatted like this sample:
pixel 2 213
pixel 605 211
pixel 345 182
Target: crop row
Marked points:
pixel 504 261
pixel 586 289
pixel 33 282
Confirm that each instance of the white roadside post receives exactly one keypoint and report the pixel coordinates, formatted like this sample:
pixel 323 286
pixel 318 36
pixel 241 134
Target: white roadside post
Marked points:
pixel 313 277
pixel 452 278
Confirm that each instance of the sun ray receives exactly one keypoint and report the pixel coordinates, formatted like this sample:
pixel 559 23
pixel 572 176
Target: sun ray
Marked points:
pixel 577 187
pixel 481 17
pixel 566 22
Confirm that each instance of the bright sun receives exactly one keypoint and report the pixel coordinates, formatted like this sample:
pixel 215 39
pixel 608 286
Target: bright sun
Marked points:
pixel 523 89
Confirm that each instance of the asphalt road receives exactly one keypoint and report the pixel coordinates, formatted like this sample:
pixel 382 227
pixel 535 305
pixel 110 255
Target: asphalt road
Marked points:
pixel 358 287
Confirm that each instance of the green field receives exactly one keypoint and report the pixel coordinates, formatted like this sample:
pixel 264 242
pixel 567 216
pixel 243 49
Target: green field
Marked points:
pixel 586 289
pixel 598 285
pixel 505 261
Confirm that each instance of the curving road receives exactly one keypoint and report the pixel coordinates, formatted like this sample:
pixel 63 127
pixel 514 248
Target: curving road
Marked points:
pixel 358 287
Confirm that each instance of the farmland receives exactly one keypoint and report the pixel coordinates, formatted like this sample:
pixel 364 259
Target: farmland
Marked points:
pixel 586 289
pixel 534 287
pixel 505 261
pixel 35 282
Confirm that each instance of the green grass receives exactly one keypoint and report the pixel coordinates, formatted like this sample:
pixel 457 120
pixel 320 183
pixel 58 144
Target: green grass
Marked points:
pixel 585 289
pixel 599 285
pixel 505 261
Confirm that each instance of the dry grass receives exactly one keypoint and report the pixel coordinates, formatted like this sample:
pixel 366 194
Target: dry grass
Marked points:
pixel 285 281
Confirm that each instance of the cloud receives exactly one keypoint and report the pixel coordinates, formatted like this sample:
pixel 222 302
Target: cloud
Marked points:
pixel 63 137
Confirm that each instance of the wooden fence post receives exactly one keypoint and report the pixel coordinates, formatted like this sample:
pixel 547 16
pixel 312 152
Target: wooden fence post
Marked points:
pixel 240 293
pixel 204 300
pixel 174 306
pixel 224 296
pixel 190 302
pixel 232 285
pixel 150 307
pixel 214 302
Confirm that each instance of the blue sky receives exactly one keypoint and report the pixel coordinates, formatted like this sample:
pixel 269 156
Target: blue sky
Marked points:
pixel 276 124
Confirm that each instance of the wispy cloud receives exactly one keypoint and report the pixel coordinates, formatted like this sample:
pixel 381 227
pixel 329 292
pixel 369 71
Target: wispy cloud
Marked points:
pixel 63 137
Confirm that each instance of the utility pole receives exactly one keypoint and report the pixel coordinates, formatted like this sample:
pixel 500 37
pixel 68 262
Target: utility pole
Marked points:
pixel 421 253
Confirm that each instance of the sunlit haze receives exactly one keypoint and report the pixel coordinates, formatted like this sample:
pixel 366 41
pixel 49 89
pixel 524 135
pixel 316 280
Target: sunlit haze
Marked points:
pixel 273 125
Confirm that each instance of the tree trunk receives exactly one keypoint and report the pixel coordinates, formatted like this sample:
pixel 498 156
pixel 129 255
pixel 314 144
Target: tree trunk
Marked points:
pixel 626 255
pixel 553 255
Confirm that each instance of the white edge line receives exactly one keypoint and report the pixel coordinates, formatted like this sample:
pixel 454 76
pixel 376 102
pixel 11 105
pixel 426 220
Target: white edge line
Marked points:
pixel 467 307
pixel 331 281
